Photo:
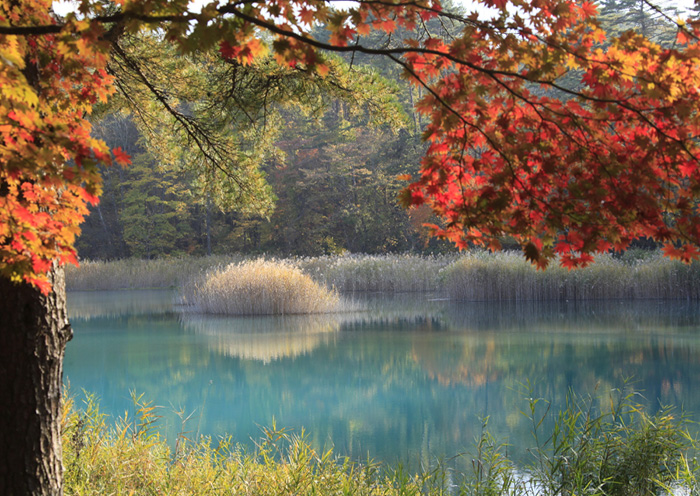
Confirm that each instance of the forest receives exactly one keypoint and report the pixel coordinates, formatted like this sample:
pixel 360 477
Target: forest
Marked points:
pixel 334 161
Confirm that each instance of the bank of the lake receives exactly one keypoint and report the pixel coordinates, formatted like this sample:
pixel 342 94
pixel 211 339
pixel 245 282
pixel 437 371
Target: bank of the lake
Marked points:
pixel 470 276
pixel 623 451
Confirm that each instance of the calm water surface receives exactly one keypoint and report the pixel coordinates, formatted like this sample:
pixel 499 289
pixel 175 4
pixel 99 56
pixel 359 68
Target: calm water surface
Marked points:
pixel 409 379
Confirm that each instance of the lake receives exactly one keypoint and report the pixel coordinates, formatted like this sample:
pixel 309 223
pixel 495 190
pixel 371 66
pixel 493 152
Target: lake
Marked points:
pixel 409 378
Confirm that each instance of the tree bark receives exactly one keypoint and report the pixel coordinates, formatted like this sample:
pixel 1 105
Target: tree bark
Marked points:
pixel 34 330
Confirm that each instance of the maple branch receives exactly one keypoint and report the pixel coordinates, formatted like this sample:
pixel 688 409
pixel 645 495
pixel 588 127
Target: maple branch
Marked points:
pixel 660 11
pixel 465 122
pixel 273 28
pixel 108 19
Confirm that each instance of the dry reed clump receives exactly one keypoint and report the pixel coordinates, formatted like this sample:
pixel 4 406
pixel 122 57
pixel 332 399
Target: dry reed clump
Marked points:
pixel 483 276
pixel 260 287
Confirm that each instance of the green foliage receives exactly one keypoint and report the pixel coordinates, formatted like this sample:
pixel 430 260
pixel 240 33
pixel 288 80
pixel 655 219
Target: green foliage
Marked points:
pixel 171 100
pixel 328 150
pixel 154 211
pixel 338 185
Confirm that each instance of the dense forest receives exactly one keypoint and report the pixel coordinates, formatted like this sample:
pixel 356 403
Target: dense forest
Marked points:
pixel 333 155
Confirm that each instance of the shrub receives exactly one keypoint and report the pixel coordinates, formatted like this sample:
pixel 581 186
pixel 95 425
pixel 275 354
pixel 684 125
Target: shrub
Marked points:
pixel 259 287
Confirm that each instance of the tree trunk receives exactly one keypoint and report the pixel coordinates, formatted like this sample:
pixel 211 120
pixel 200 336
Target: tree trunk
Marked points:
pixel 34 330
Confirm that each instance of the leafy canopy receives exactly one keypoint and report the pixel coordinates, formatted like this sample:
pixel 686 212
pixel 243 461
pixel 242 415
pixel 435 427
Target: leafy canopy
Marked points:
pixel 512 150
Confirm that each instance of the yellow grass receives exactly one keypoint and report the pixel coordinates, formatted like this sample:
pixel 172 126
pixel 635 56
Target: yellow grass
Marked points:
pixel 507 276
pixel 260 287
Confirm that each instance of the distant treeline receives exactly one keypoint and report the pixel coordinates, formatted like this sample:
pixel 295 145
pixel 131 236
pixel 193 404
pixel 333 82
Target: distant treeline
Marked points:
pixel 332 158
pixel 331 152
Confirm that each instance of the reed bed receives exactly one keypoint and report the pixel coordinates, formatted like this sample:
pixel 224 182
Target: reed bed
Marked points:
pixel 259 287
pixel 388 273
pixel 473 275
pixel 507 276
pixel 135 273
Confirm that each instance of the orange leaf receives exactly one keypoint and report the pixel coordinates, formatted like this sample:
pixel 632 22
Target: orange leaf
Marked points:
pixel 121 157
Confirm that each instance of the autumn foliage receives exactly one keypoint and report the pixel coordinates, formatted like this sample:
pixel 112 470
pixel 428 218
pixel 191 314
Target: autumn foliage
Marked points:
pixel 48 159
pixel 567 170
pixel 515 148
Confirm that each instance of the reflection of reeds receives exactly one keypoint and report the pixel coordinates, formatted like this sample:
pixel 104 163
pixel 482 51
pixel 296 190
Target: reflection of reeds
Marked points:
pixel 259 287
pixel 263 338
pixel 93 304
pixel 573 317
pixel 481 276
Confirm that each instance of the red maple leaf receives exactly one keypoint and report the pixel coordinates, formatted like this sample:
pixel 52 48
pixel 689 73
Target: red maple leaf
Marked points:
pixel 121 157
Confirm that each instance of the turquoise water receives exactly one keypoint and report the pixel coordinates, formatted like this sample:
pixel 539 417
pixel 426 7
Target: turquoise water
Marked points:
pixel 409 379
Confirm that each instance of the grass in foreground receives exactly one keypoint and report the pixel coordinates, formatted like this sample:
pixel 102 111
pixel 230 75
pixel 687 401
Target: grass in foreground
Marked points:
pixel 622 451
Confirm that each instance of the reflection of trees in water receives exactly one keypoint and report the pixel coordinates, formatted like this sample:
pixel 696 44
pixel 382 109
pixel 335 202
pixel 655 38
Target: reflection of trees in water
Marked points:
pixel 469 364
pixel 558 346
pixel 609 317
pixel 263 338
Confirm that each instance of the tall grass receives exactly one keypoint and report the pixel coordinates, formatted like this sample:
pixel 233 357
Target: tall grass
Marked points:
pixel 614 450
pixel 482 276
pixel 131 458
pixel 606 447
pixel 135 273
pixel 474 275
pixel 390 273
pixel 259 287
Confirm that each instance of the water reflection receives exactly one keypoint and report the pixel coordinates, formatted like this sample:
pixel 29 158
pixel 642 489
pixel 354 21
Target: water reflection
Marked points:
pixel 263 338
pixel 575 316
pixel 93 304
pixel 409 378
